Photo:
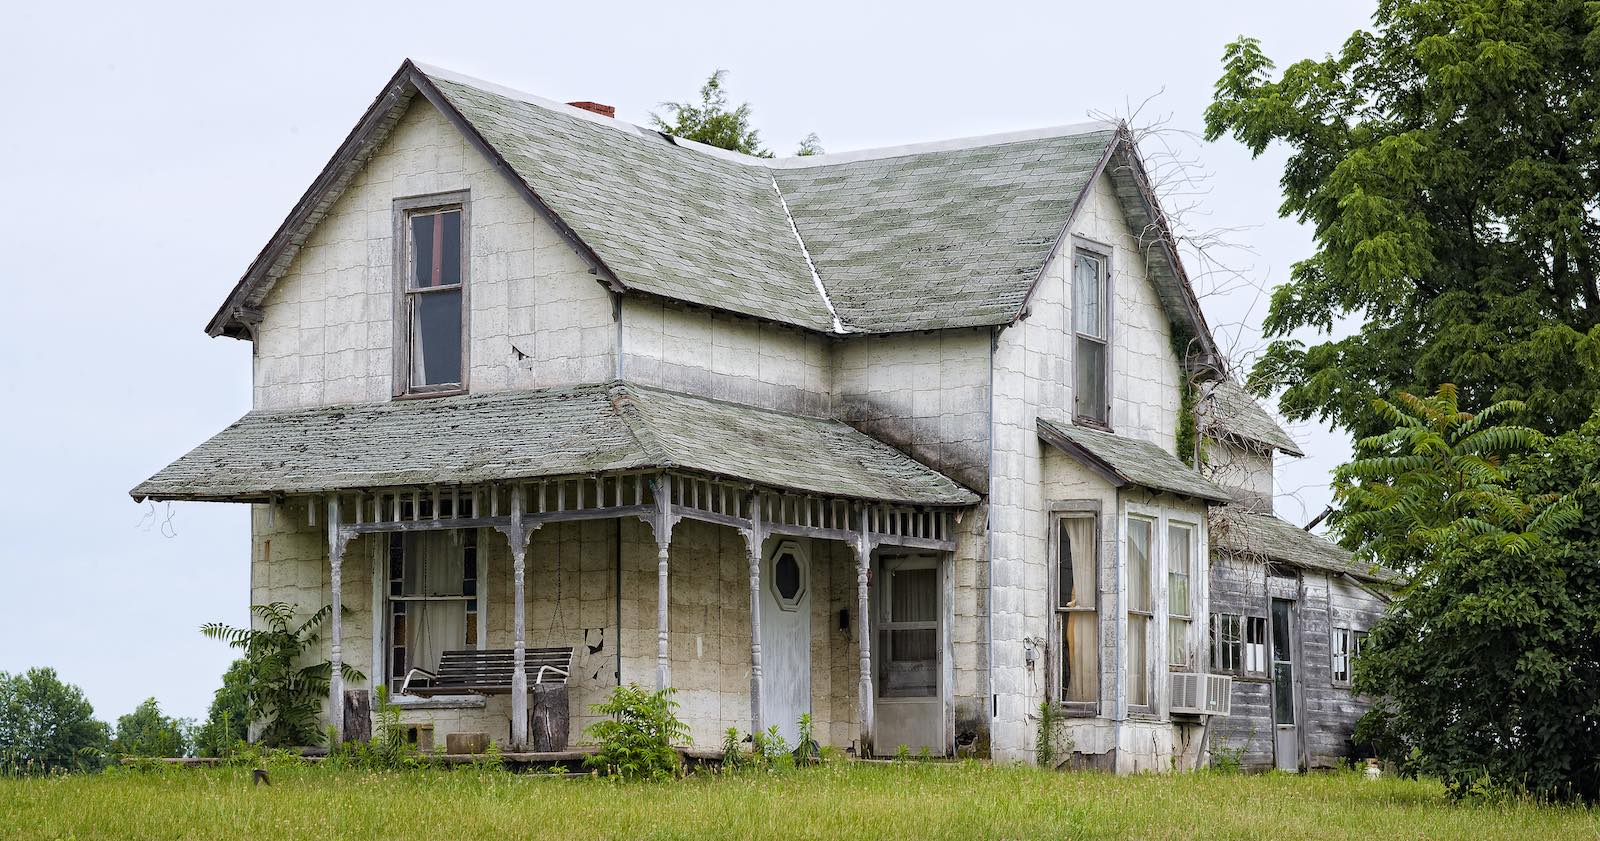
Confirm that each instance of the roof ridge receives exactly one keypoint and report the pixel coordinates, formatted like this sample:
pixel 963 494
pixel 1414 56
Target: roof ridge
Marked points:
pixel 793 162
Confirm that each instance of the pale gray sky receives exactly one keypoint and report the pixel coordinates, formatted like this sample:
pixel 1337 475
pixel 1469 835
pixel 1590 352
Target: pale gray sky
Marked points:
pixel 153 148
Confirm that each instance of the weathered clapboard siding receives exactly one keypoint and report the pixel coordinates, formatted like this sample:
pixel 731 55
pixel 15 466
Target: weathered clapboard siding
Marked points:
pixel 1239 586
pixel 1327 712
pixel 1333 710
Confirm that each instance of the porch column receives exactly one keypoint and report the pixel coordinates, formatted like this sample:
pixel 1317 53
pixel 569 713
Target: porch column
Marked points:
pixel 754 538
pixel 337 541
pixel 517 535
pixel 664 522
pixel 863 552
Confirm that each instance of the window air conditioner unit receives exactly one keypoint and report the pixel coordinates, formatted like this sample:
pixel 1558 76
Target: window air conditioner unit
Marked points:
pixel 1194 693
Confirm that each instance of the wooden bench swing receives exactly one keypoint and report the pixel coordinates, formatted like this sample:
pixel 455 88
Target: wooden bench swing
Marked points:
pixel 490 672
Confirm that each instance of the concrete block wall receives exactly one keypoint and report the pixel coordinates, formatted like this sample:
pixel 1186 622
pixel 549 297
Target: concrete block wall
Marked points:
pixel 537 316
pixel 1243 468
pixel 725 357
pixel 1032 372
pixel 924 393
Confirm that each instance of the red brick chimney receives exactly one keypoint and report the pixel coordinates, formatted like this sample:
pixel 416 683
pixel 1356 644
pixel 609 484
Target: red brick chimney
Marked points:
pixel 602 110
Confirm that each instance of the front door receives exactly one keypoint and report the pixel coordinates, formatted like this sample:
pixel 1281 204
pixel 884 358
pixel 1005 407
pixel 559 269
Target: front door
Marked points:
pixel 1285 743
pixel 786 637
pixel 906 659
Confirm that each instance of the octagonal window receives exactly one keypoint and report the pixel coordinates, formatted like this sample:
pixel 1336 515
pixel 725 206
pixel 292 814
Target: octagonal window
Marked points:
pixel 787 574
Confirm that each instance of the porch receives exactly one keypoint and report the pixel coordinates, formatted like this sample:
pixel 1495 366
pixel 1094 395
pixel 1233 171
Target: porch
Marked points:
pixel 738 570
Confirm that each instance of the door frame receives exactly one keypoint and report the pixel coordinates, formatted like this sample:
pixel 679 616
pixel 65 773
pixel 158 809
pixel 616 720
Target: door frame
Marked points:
pixel 943 677
pixel 1296 666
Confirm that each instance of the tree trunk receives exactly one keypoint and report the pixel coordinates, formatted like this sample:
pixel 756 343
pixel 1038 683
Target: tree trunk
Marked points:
pixel 550 725
pixel 357 715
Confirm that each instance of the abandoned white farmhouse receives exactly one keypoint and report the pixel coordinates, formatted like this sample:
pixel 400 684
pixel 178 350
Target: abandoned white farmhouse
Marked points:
pixel 888 437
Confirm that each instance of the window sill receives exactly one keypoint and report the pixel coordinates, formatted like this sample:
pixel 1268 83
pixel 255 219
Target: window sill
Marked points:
pixel 1092 423
pixel 428 395
pixel 1077 709
pixel 439 702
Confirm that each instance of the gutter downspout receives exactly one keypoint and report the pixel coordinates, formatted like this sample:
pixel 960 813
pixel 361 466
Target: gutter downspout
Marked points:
pixel 988 528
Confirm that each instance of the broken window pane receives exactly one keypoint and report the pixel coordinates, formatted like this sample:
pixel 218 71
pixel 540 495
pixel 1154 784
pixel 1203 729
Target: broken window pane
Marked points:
pixel 1089 398
pixel 436 249
pixel 436 338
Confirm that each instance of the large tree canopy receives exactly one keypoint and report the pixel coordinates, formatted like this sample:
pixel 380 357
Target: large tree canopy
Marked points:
pixel 1449 164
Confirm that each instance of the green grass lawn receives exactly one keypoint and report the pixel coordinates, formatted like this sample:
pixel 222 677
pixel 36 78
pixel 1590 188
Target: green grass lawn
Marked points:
pixel 913 801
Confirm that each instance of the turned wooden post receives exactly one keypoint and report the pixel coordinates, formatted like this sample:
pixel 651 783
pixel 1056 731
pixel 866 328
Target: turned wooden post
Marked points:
pixel 863 553
pixel 754 538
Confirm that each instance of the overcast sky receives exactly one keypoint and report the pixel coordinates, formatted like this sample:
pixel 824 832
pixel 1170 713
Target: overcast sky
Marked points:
pixel 153 148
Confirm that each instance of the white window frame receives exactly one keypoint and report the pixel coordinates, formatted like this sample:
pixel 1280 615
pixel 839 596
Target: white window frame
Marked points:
pixel 1153 615
pixel 1191 645
pixel 480 625
pixel 404 295
pixel 1087 510
pixel 1341 644
pixel 1103 253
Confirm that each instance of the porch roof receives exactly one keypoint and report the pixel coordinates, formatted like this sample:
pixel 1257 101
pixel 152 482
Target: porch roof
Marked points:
pixel 1243 533
pixel 1128 461
pixel 572 430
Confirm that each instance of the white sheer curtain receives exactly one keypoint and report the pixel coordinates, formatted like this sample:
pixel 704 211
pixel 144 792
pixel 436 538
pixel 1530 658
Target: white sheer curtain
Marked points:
pixel 433 568
pixel 1080 620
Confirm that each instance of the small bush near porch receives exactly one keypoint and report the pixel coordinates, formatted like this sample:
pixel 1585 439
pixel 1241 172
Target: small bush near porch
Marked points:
pixel 841 800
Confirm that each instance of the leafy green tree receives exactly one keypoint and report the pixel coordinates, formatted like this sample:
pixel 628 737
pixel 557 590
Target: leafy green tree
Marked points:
pixel 810 145
pixel 1448 162
pixel 47 726
pixel 147 732
pixel 711 121
pixel 228 720
pixel 284 693
pixel 1487 666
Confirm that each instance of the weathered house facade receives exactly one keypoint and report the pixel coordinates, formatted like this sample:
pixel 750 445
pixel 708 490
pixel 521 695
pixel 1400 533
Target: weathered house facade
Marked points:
pixel 1290 610
pixel 885 437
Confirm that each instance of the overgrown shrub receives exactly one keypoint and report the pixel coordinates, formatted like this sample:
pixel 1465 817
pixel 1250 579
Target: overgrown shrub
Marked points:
pixel 636 739
pixel 284 693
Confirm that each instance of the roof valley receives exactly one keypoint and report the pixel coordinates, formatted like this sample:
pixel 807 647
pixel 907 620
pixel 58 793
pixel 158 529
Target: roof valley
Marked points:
pixel 822 289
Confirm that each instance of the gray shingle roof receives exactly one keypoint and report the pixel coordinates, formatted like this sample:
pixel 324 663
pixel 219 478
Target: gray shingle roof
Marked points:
pixel 944 238
pixel 1243 533
pixel 948 234
pixel 578 430
pixel 1229 412
pixel 667 220
pixel 1127 461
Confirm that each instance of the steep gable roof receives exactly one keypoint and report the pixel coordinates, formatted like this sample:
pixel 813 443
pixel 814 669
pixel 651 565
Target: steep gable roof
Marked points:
pixel 931 236
pixel 1227 412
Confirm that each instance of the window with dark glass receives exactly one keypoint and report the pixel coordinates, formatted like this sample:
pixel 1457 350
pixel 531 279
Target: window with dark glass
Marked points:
pixel 1090 316
pixel 435 278
pixel 1227 642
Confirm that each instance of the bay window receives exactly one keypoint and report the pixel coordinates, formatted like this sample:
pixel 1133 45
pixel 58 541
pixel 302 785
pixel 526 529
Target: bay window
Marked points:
pixel 1077 612
pixel 1141 611
pixel 1180 571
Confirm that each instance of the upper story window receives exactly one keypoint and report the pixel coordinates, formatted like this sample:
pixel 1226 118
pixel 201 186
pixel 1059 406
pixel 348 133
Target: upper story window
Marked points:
pixel 1091 318
pixel 431 314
